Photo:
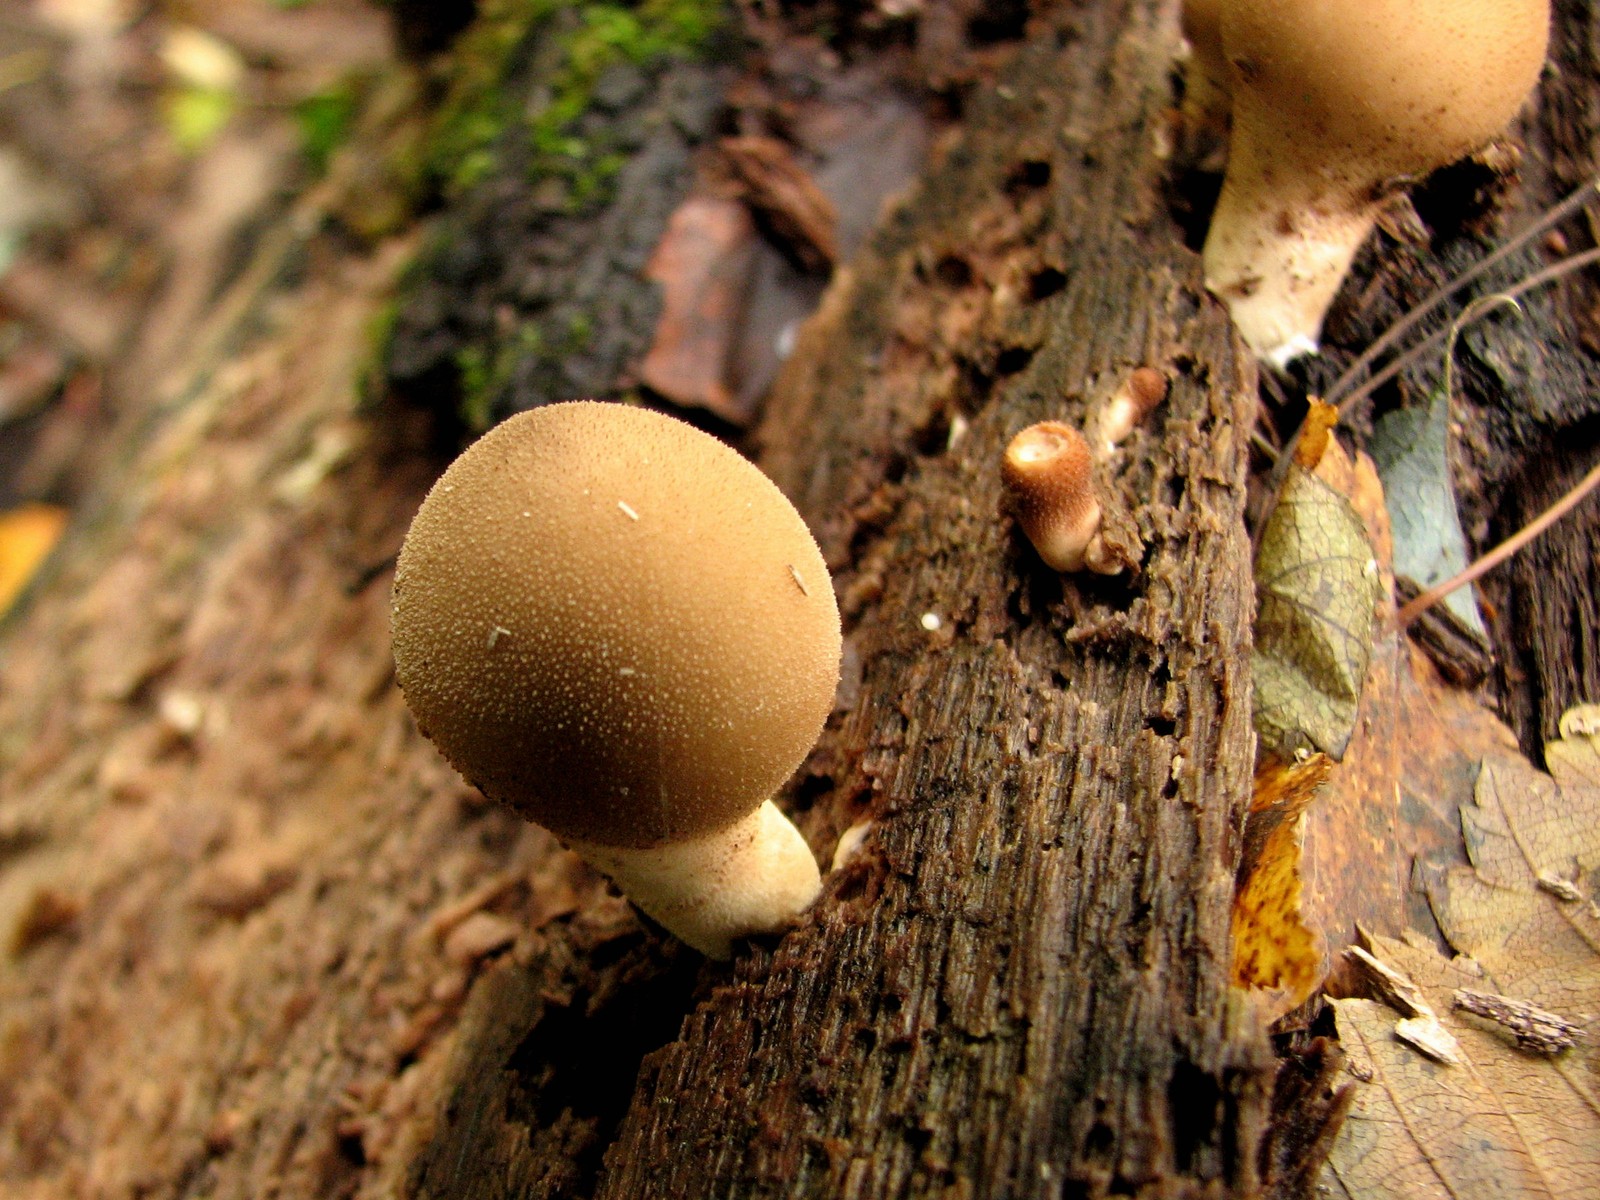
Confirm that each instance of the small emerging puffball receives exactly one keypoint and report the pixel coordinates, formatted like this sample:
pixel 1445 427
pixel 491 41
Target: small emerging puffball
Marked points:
pixel 1048 475
pixel 1138 396
pixel 614 624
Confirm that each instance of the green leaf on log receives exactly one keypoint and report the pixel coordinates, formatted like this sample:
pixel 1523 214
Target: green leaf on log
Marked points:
pixel 1316 599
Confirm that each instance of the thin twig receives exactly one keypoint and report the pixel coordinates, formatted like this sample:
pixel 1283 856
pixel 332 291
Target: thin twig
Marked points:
pixel 1551 273
pixel 1503 551
pixel 1395 332
pixel 1479 307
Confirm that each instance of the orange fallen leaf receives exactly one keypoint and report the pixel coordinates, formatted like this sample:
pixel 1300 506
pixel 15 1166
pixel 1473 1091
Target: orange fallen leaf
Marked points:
pixel 1315 434
pixel 1275 954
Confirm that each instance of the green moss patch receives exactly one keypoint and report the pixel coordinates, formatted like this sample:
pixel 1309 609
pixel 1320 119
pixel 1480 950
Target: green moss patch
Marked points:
pixel 565 48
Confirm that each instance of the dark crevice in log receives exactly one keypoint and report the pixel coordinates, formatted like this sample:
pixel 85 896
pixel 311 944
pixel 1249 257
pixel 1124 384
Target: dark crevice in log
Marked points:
pixel 548 1060
pixel 1309 1100
pixel 1547 614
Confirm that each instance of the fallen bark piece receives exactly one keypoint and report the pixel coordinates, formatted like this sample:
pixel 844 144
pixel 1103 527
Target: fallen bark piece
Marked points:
pixel 703 264
pixel 785 199
pixel 1426 1036
pixel 1535 1028
pixel 1393 987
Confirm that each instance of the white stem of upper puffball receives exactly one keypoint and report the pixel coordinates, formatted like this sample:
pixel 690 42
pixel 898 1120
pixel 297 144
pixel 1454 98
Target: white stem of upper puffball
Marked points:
pixel 1281 241
pixel 752 877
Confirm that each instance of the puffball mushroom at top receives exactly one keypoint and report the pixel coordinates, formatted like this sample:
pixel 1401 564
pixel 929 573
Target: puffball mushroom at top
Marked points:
pixel 1334 101
pixel 614 624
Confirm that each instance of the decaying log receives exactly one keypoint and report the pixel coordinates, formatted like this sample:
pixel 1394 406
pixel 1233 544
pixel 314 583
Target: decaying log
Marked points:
pixel 1019 984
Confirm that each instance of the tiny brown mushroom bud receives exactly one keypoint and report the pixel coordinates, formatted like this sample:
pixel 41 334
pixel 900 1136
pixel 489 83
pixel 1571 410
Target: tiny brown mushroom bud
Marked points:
pixel 1048 473
pixel 614 624
pixel 1139 394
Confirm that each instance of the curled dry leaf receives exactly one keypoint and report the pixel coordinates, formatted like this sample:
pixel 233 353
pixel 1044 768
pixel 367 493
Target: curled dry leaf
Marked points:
pixel 1509 1121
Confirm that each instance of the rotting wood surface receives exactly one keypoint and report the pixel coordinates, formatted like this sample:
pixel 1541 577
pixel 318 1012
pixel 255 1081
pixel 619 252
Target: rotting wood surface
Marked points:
pixel 244 889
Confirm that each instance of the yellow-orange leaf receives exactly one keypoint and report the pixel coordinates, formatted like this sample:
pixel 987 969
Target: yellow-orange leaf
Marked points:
pixel 1274 953
pixel 27 535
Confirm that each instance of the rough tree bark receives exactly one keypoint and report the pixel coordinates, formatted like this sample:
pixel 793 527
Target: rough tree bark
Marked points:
pixel 262 942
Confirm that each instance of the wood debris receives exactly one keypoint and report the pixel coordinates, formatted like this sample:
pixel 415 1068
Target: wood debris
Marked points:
pixel 786 201
pixel 1535 1028
pixel 1393 987
pixel 1427 1036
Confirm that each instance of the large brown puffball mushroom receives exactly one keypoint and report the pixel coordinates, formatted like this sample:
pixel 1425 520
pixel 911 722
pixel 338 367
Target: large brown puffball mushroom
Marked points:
pixel 614 624
pixel 1334 103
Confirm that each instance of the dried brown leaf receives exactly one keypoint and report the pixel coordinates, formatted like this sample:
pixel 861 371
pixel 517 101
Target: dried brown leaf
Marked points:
pixel 1396 798
pixel 1533 944
pixel 1419 1130
pixel 1509 1121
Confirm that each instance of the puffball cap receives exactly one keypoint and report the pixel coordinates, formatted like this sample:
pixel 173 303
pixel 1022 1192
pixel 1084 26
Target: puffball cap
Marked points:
pixel 614 624
pixel 1405 84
